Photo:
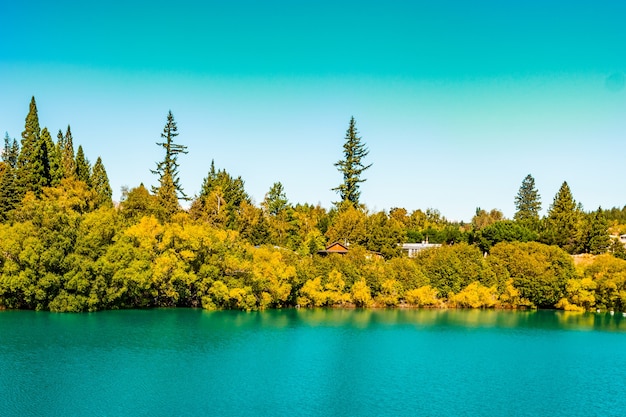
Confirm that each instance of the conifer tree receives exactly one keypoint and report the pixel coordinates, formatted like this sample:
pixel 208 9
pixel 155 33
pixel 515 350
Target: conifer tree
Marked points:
pixel 9 195
pixel 221 197
pixel 276 199
pixel 83 168
pixel 65 145
pixel 351 166
pixel 596 236
pixel 33 163
pixel 527 202
pixel 54 159
pixel 166 196
pixel 169 165
pixel 100 183
pixel 562 221
pixel 10 151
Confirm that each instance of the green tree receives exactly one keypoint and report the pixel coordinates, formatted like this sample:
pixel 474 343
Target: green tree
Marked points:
pixel 166 196
pixel 54 158
pixel 65 144
pixel 83 167
pixel 169 166
pixel 10 152
pixel 563 220
pixel 503 231
pixel 137 203
pixel 9 193
pixel 275 200
pixel 100 183
pixel 483 219
pixel 539 272
pixel 351 166
pixel 528 202
pixel 33 164
pixel 596 239
pixel 220 199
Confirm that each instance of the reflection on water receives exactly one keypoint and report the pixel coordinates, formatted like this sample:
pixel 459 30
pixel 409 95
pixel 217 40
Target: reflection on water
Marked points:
pixel 471 318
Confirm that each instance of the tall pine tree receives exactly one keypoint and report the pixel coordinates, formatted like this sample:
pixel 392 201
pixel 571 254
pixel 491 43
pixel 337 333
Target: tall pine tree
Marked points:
pixel 528 203
pixel 9 195
pixel 100 183
pixel 83 168
pixel 351 166
pixel 563 220
pixel 65 144
pixel 54 159
pixel 33 164
pixel 169 165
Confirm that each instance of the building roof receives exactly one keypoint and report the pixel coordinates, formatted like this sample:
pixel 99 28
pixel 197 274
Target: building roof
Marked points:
pixel 335 247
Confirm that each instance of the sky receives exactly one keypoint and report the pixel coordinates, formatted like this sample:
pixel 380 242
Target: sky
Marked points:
pixel 456 101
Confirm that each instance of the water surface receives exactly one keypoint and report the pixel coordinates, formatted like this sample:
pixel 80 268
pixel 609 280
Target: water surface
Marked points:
pixel 312 363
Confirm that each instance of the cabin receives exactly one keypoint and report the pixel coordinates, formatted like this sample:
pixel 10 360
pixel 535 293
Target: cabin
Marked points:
pixel 336 247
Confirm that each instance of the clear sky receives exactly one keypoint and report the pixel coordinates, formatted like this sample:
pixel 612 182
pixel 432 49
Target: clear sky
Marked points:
pixel 457 101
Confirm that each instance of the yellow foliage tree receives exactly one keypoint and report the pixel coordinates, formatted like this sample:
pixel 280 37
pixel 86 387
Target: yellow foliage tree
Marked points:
pixel 361 294
pixel 474 295
pixel 425 296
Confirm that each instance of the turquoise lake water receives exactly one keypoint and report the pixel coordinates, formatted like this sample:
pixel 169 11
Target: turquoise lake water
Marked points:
pixel 183 362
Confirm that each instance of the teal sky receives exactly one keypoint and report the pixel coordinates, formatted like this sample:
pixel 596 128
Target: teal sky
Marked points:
pixel 457 101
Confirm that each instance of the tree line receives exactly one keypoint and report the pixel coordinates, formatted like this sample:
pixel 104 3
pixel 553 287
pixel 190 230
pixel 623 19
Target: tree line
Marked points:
pixel 65 246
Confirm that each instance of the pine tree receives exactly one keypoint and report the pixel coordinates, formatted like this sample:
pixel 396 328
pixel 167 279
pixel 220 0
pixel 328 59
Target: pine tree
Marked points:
pixel 562 221
pixel 597 239
pixel 276 199
pixel 54 159
pixel 100 183
pixel 9 195
pixel 10 152
pixel 527 202
pixel 169 165
pixel 221 197
pixel 166 196
pixel 83 168
pixel 351 167
pixel 66 147
pixel 33 164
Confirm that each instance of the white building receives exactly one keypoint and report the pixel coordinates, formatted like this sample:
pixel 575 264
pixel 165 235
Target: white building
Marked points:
pixel 412 249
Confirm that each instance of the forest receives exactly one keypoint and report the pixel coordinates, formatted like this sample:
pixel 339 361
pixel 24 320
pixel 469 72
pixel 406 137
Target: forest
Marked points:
pixel 66 246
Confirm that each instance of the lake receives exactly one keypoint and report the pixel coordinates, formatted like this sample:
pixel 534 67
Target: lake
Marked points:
pixel 184 362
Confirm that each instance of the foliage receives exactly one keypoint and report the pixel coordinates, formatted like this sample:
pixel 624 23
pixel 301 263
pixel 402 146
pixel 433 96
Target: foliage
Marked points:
pixel 167 170
pixel 65 247
pixel 539 272
pixel 528 203
pixel 451 268
pixel 563 221
pixel 352 166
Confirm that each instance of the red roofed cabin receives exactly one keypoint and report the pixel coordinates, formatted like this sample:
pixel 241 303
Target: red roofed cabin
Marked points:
pixel 334 248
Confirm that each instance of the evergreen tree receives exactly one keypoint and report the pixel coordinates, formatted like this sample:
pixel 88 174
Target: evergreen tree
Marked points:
pixel 83 168
pixel 66 146
pixel 54 158
pixel 166 196
pixel 33 164
pixel 562 221
pixel 351 166
pixel 527 202
pixel 596 237
pixel 10 151
pixel 276 199
pixel 220 199
pixel 100 183
pixel 169 165
pixel 9 195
